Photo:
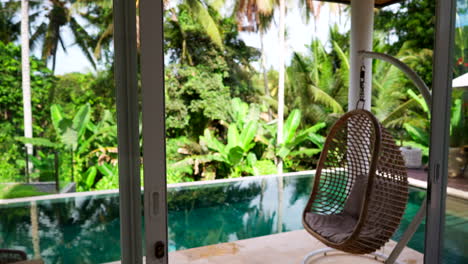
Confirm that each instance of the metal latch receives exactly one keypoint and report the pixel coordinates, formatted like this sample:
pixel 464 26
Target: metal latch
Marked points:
pixel 159 250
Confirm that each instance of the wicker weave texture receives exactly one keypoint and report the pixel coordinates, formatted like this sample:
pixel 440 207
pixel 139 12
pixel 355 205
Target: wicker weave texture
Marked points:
pixel 359 151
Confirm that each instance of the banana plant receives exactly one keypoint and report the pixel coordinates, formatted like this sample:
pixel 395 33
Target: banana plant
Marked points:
pixel 110 179
pixel 69 131
pixel 78 135
pixel 236 152
pixel 242 136
pixel 241 113
pixel 295 140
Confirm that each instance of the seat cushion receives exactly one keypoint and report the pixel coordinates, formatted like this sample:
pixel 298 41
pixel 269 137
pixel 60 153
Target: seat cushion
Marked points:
pixel 335 228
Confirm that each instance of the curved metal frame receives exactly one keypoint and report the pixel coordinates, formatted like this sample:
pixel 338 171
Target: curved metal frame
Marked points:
pixel 325 250
pixel 426 93
pixel 413 76
pixel 409 232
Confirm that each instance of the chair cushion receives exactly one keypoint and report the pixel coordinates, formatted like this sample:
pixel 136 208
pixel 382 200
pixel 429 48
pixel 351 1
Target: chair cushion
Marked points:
pixel 335 228
pixel 339 227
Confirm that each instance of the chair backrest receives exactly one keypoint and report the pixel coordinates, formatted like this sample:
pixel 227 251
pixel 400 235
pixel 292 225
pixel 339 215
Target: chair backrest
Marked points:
pixel 348 161
pixel 355 198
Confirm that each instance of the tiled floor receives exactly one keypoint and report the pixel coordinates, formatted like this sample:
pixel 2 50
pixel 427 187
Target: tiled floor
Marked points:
pixel 289 247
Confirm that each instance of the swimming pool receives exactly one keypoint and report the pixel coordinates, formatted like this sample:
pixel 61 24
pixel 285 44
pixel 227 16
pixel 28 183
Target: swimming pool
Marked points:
pixel 86 229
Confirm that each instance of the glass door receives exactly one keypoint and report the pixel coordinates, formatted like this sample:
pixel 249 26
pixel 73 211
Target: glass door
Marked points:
pixel 440 131
pixel 456 210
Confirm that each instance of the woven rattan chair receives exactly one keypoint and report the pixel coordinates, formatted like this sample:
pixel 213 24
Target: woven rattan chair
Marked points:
pixel 360 188
pixel 11 256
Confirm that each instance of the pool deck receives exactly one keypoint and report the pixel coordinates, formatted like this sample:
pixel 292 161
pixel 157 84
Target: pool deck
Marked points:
pixel 458 183
pixel 457 187
pixel 289 247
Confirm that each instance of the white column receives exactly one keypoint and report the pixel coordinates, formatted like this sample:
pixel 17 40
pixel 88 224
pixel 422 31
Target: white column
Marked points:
pixel 362 26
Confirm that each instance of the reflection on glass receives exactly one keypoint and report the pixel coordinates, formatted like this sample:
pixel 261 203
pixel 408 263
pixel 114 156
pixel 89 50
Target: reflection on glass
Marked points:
pixel 456 220
pixel 72 230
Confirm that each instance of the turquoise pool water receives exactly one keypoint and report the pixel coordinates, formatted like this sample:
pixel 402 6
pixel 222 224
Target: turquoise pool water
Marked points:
pixel 86 229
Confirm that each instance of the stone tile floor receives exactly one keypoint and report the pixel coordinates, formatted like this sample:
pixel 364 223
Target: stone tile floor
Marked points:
pixel 289 247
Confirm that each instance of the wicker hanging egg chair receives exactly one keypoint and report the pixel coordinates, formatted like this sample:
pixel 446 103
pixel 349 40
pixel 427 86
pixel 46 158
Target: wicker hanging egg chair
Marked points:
pixel 360 188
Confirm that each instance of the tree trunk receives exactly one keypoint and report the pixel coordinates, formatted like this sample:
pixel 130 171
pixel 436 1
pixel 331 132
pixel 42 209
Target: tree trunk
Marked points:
pixel 26 81
pixel 281 54
pixel 35 230
pixel 265 73
pixel 279 223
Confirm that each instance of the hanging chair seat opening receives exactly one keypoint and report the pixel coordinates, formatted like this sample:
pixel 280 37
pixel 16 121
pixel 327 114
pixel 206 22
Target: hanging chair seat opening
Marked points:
pixel 339 227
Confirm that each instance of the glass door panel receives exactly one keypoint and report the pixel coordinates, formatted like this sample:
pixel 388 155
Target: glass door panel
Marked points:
pixel 456 218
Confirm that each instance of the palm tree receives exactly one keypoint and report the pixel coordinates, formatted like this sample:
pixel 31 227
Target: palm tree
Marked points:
pixel 314 8
pixel 59 15
pixel 26 79
pixel 99 13
pixel 281 78
pixel 9 30
pixel 317 82
pixel 256 16
pixel 199 10
pixel 35 230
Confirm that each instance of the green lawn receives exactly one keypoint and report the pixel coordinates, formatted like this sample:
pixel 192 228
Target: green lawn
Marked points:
pixel 18 191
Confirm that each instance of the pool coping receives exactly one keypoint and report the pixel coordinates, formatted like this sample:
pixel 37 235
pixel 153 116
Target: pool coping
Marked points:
pixel 450 191
pixel 169 186
pixel 412 182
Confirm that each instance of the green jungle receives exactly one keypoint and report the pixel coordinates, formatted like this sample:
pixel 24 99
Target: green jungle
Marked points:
pixel 221 97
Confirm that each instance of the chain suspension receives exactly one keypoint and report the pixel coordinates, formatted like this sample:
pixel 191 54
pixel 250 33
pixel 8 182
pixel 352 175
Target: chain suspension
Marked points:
pixel 362 81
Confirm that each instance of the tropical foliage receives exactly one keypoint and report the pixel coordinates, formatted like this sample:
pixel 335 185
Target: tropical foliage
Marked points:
pixel 221 119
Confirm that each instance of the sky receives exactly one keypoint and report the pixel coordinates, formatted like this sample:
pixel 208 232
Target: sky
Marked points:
pixel 462 19
pixel 73 60
pixel 299 36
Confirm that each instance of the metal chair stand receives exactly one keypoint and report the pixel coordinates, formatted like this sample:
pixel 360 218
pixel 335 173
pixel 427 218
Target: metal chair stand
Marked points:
pixel 324 251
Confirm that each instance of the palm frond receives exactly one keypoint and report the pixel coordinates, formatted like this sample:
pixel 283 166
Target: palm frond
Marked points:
pixel 104 36
pixel 37 35
pixel 200 12
pixel 397 113
pixel 82 39
pixel 343 57
pixel 322 97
